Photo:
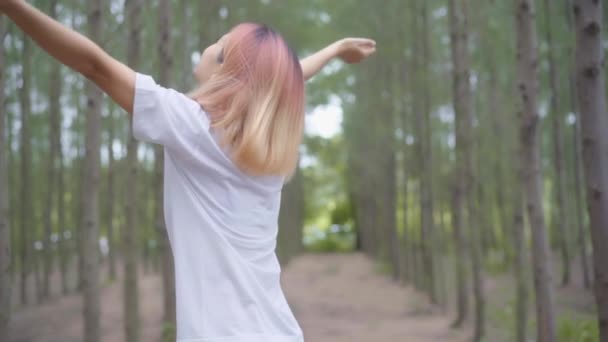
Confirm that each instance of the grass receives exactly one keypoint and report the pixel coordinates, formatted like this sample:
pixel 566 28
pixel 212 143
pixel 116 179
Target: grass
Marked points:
pixel 576 319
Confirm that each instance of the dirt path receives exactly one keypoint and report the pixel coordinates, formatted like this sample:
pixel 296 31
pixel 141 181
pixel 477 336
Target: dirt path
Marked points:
pixel 334 297
pixel 341 298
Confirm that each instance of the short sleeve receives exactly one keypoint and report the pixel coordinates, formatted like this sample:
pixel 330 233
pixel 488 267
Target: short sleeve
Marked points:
pixel 165 116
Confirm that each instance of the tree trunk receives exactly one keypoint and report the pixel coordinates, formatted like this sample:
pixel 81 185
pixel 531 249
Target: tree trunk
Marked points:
pixel 501 176
pixel 462 303
pixel 405 173
pixel 291 219
pixel 405 243
pixel 90 224
pixel 519 258
pixel 183 16
pixel 111 197
pixel 354 176
pixel 558 148
pixel 208 11
pixel 77 199
pixel 26 186
pixel 166 63
pixel 384 175
pixel 426 204
pixel 405 84
pixel 463 195
pixel 594 125
pixel 421 107
pixel 13 196
pixel 62 241
pixel 442 245
pixel 475 221
pixel 398 170
pixel 389 193
pixel 54 92
pixel 578 164
pixel 36 257
pixel 527 62
pixel 520 261
pixel 463 108
pixel 580 219
pixel 5 229
pixel 146 219
pixel 79 192
pixel 133 10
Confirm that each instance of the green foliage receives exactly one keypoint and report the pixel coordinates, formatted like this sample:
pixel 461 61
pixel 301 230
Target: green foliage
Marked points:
pixel 330 244
pixel 496 262
pixel 578 330
pixel 504 316
pixel 338 238
pixel 325 185
pixel 168 332
pixel 341 214
pixel 384 267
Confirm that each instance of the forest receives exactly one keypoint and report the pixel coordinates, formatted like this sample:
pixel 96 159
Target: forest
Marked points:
pixel 452 187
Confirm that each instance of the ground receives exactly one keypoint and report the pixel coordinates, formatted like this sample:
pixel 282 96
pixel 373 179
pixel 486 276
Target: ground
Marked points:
pixel 335 297
pixel 342 298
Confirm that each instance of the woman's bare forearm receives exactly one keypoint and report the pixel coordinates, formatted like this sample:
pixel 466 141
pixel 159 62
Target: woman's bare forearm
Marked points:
pixel 312 64
pixel 69 47
pixel 76 51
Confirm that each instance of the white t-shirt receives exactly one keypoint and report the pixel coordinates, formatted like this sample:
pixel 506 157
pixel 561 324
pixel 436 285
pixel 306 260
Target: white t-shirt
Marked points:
pixel 222 226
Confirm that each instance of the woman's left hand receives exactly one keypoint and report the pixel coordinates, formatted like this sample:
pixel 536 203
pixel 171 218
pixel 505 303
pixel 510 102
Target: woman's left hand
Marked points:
pixel 354 50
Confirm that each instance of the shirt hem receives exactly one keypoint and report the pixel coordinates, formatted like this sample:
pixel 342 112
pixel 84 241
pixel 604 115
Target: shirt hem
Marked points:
pixel 247 338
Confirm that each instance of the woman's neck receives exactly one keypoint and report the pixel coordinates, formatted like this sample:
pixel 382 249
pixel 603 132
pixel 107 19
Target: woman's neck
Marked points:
pixel 196 92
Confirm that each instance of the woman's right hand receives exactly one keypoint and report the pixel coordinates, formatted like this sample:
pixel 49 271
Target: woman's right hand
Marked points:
pixel 354 50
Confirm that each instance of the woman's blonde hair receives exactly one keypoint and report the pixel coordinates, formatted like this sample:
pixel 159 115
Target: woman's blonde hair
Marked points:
pixel 256 101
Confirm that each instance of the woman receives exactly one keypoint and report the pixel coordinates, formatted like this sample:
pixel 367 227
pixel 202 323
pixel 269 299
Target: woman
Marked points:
pixel 228 147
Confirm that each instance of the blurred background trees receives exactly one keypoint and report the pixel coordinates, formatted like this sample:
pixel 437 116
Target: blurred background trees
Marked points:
pixel 460 158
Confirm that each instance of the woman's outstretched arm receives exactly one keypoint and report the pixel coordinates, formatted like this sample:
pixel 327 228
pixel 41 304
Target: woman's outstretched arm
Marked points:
pixel 350 50
pixel 74 50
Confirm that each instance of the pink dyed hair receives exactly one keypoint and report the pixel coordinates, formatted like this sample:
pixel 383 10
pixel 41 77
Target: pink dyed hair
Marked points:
pixel 256 100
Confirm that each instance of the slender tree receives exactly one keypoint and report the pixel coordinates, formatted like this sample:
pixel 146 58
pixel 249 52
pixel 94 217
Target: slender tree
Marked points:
pixel 561 219
pixel 133 10
pixel 26 185
pixel 5 229
pixel 291 219
pixel 581 236
pixel 111 196
pixel 527 84
pixel 112 169
pixel 594 125
pixel 462 107
pixel 165 67
pixel 520 262
pixel 54 92
pixel 12 179
pixel 62 242
pixel 184 60
pixel 423 124
pixel 403 114
pixel 90 214
pixel 396 239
